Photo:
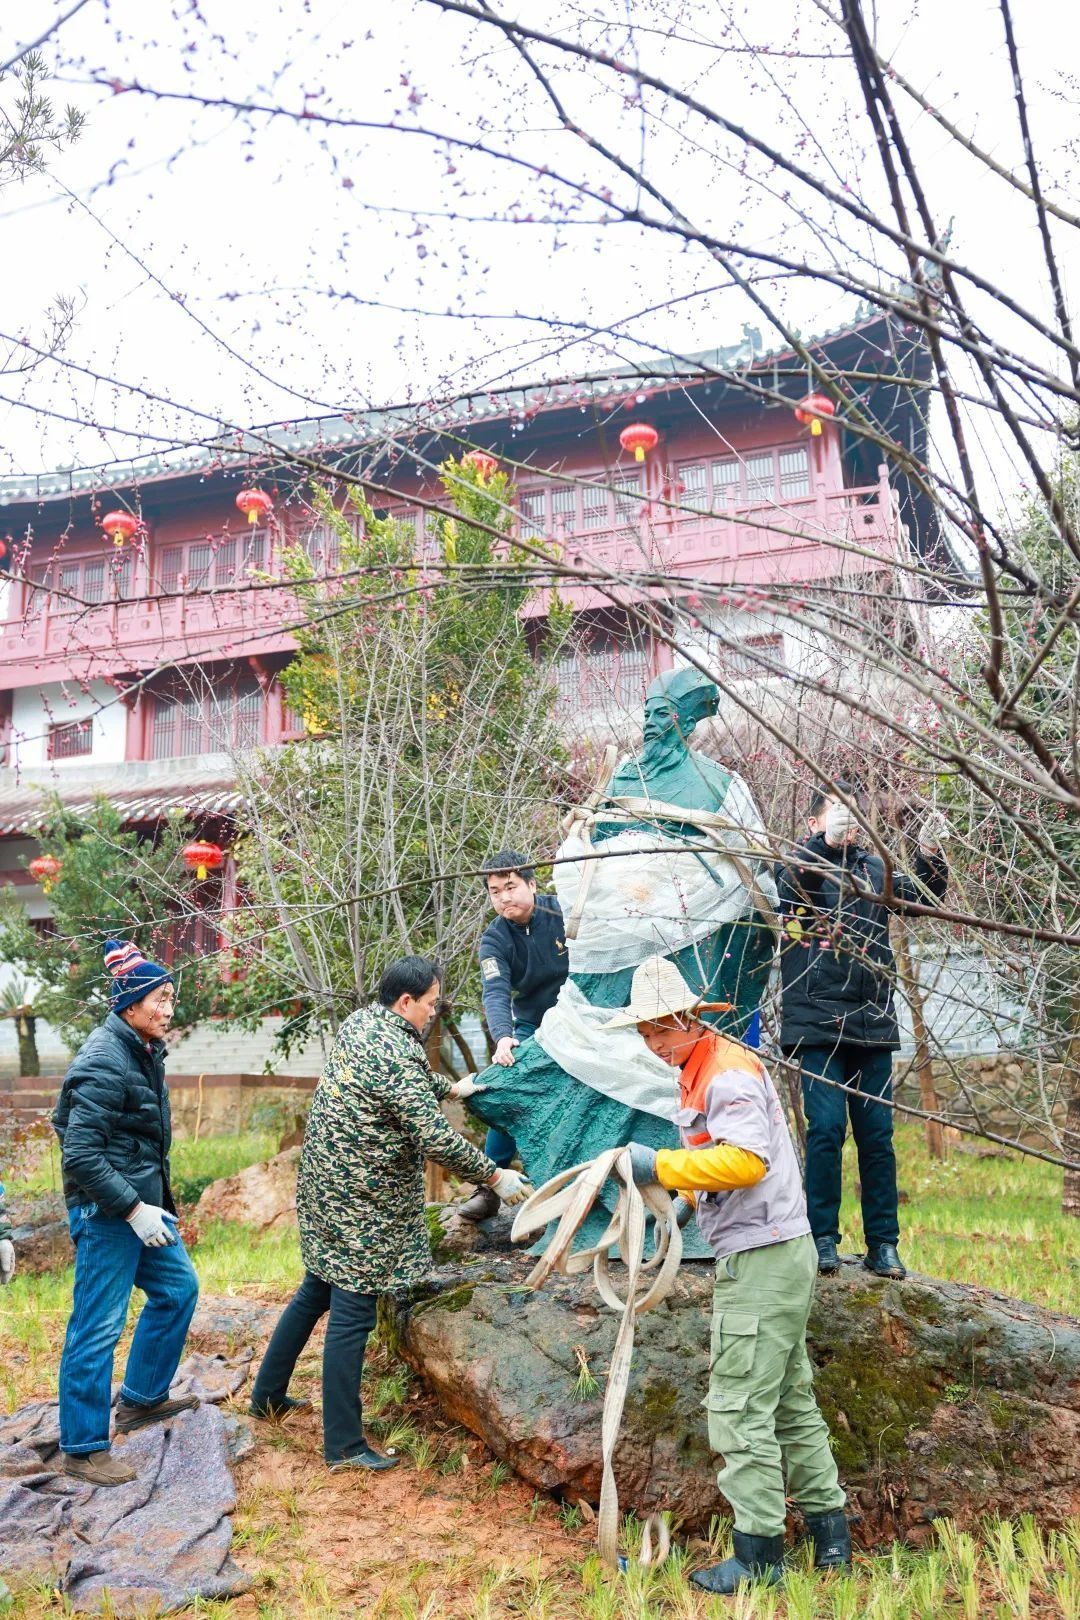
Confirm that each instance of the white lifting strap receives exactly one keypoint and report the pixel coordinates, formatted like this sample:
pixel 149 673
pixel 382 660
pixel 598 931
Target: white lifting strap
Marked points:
pixel 568 1198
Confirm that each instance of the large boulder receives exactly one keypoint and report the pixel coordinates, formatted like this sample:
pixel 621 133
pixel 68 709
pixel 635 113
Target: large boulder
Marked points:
pixel 942 1399
pixel 262 1196
pixel 41 1233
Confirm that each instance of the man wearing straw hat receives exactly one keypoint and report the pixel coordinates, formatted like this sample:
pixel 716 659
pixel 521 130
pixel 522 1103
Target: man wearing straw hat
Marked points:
pixel 737 1164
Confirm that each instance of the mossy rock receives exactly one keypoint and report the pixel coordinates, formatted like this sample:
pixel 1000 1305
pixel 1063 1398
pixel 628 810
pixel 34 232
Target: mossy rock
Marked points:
pixel 941 1399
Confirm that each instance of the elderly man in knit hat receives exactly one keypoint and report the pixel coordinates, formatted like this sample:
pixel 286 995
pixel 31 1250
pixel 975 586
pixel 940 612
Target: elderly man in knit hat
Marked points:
pixel 114 1128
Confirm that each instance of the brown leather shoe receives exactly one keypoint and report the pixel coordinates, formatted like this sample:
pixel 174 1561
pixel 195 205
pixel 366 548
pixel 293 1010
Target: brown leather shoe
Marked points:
pixel 483 1204
pixel 97 1468
pixel 129 1416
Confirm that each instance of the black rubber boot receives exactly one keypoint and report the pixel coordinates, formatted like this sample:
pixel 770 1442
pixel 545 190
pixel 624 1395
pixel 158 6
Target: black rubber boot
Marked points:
pixel 757 1560
pixel 830 1537
pixel 828 1261
pixel 884 1261
pixel 483 1204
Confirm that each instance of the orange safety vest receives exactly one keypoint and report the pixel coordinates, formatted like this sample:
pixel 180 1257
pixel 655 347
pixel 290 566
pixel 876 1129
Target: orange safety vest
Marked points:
pixel 710 1056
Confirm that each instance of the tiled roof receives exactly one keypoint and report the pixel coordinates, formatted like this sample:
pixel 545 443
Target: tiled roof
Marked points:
pixel 139 796
pixel 320 434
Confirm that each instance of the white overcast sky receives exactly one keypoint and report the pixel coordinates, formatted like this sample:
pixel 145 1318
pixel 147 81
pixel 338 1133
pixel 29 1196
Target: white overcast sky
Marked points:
pixel 208 254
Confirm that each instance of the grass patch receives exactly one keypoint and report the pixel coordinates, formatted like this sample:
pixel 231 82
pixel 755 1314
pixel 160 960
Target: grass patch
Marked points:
pixel 228 1257
pixel 193 1165
pixel 994 1222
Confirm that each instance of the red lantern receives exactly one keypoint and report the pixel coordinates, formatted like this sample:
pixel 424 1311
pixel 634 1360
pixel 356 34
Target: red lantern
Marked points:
pixel 120 526
pixel 812 409
pixel 639 437
pixel 45 869
pixel 254 503
pixel 485 465
pixel 201 858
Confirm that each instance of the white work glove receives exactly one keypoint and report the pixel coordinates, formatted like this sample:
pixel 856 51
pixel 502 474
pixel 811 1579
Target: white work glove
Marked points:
pixel 466 1087
pixel 7 1261
pixel 841 826
pixel 933 834
pixel 504 1051
pixel 147 1222
pixel 510 1187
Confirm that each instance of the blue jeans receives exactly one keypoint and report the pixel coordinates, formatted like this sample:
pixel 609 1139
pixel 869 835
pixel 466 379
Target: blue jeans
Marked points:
pixel 497 1144
pixel 109 1262
pixel 869 1070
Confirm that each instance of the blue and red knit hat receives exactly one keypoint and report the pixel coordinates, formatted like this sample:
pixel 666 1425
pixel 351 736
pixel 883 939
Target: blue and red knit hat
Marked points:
pixel 132 975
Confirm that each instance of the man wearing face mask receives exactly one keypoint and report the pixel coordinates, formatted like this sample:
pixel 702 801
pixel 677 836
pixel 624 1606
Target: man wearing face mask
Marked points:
pixel 115 1130
pixel 839 1021
pixel 374 1119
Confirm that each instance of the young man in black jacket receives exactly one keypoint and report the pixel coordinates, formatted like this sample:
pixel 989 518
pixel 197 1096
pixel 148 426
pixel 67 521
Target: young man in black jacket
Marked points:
pixel 839 1021
pixel 523 965
pixel 113 1121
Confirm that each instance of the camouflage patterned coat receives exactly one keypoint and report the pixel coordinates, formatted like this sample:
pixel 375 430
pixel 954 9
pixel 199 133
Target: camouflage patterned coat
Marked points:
pixel 374 1119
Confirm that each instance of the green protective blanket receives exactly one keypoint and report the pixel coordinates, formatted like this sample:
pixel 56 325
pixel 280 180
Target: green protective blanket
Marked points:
pixel 558 1121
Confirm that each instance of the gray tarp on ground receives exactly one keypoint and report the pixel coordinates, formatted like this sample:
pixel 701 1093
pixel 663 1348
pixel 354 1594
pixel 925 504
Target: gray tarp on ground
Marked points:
pixel 164 1539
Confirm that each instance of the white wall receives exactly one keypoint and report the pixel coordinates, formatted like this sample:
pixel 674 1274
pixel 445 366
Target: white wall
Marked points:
pixel 35 708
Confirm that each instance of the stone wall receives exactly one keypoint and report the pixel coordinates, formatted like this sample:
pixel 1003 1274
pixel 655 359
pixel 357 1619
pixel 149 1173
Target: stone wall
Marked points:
pixel 218 1104
pixel 1007 1092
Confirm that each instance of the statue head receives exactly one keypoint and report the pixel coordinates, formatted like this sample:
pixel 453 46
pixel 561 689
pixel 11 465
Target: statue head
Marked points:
pixel 676 701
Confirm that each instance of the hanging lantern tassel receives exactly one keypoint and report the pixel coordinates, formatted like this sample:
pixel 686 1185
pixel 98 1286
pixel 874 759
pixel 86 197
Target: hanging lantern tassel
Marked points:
pixel 639 437
pixel 45 869
pixel 202 858
pixel 809 412
pixel 255 504
pixel 120 526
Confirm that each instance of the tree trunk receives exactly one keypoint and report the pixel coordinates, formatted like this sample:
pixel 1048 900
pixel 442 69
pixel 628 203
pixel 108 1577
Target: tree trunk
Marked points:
pixel 1070 1192
pixel 26 1032
pixel 924 1068
pixel 434 1174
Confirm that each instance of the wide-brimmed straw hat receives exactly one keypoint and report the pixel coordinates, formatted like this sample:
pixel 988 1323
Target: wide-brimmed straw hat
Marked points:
pixel 658 990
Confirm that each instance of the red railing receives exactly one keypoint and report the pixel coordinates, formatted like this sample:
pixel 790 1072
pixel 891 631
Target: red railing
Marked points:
pixel 827 533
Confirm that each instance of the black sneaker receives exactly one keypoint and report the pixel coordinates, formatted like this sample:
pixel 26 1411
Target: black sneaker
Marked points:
pixel 373 1461
pixel 277 1408
pixel 883 1260
pixel 828 1261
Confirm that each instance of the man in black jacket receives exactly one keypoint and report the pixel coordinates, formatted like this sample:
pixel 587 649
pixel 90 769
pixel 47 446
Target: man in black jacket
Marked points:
pixel 523 966
pixel 839 1021
pixel 115 1130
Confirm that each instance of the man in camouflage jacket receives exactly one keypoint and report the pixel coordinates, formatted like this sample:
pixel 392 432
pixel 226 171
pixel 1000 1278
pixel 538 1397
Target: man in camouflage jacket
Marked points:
pixel 374 1119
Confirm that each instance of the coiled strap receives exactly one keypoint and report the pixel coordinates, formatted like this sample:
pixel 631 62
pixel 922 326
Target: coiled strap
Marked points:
pixel 567 1198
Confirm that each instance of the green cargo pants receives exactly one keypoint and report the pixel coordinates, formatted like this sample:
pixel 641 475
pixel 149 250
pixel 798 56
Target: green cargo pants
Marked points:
pixel 763 1418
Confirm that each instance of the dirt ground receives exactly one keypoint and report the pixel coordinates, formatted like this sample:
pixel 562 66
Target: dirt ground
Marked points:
pixel 449 1531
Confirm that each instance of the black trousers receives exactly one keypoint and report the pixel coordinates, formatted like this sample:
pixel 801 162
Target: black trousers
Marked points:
pixel 868 1069
pixel 352 1317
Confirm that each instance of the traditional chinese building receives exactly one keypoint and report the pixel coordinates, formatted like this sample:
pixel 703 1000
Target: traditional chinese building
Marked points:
pixel 133 664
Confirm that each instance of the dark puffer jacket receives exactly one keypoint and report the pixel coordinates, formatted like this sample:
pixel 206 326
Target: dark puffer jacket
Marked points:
pixel 114 1123
pixel 836 962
